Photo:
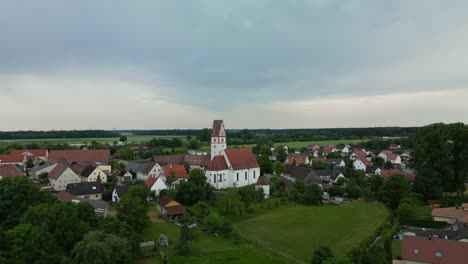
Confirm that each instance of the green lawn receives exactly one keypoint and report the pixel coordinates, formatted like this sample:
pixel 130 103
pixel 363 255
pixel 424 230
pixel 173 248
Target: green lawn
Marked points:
pixel 396 248
pixel 298 230
pixel 207 249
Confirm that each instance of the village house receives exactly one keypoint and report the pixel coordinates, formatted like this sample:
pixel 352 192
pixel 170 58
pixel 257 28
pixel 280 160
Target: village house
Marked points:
pixel 61 176
pixel 71 156
pixel 313 147
pixel 416 249
pixel 336 162
pixel 405 156
pixel 100 207
pixel 89 172
pixel 143 170
pixel 36 155
pixel 307 175
pixel 170 208
pixel 394 146
pixel 194 161
pixel 124 175
pixel 47 168
pixel 230 167
pixel 329 149
pixel 451 215
pixel 359 154
pixel 86 190
pixel 9 170
pixel 388 155
pixel 262 183
pixel 389 173
pixel 457 232
pixel 361 164
pixel 178 171
pixel 156 184
pixel 297 159
pixel 118 192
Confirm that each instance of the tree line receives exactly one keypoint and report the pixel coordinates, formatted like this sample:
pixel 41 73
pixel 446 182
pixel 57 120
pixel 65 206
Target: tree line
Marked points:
pixel 57 134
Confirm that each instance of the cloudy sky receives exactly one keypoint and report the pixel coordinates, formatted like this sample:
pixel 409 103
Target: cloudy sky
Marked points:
pixel 255 64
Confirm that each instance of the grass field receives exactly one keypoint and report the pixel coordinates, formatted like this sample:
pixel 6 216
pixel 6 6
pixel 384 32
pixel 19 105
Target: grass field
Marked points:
pixel 206 249
pixel 298 230
pixel 133 139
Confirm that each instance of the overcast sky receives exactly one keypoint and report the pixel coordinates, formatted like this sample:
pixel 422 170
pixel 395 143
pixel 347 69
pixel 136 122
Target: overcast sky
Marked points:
pixel 255 64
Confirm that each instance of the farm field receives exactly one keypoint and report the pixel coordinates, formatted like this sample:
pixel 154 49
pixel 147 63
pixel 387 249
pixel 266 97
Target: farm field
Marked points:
pixel 206 249
pixel 298 230
pixel 133 139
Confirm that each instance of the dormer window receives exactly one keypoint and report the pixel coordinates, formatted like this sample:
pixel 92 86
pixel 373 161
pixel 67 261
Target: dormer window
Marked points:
pixel 416 252
pixel 438 254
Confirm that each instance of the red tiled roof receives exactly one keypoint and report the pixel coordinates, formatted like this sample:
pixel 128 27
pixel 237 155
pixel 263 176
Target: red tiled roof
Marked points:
pixel 175 210
pixel 34 152
pixel 361 153
pixel 389 173
pixel 91 155
pixel 57 171
pixel 65 196
pixel 365 161
pixel 150 181
pixel 328 149
pixel 217 163
pixel 164 200
pixel 313 147
pixel 174 159
pixel 178 170
pixel 217 124
pixel 300 159
pixel 390 155
pixel 10 170
pixel 262 181
pixel 197 160
pixel 451 212
pixel 11 158
pixel 78 168
pixel 241 158
pixel 323 160
pixel 424 250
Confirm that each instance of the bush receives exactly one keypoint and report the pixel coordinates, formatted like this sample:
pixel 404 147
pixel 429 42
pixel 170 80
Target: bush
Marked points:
pixel 335 191
pixel 422 223
pixel 405 210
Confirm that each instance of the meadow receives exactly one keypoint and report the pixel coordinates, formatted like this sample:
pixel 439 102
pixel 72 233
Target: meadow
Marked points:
pixel 298 230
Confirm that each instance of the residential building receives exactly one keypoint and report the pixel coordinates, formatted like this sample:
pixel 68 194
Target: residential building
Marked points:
pixel 118 192
pixel 451 215
pixel 170 208
pixel 61 176
pixel 86 190
pixel 71 156
pixel 100 207
pixel 262 183
pixel 457 232
pixel 388 155
pixel 36 171
pixel 422 250
pixel 89 172
pixel 10 170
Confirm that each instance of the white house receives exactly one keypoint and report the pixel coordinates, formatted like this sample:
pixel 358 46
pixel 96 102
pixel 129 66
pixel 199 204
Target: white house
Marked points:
pixel 262 183
pixel 156 184
pixel 143 170
pixel 388 155
pixel 48 167
pixel 118 192
pixel 230 167
pixel 361 164
pixel 61 176
pixel 89 172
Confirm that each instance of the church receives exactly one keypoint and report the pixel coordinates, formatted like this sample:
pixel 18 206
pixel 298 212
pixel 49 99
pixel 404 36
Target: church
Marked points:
pixel 230 167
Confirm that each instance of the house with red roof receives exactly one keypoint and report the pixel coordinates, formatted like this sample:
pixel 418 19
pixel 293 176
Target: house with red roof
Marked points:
pixel 61 176
pixel 313 147
pixel 389 173
pixel 89 172
pixel 170 208
pixel 262 183
pixel 451 215
pixel 362 164
pixel 329 149
pixel 230 167
pixel 10 170
pixel 359 154
pixel 416 249
pixel 297 159
pixel 35 155
pixel 388 155
pixel 71 156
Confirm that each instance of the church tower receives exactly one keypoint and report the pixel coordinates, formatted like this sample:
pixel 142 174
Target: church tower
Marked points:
pixel 218 139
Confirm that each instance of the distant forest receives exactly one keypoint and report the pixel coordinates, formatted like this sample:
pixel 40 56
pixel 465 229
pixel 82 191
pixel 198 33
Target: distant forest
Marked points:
pixel 203 134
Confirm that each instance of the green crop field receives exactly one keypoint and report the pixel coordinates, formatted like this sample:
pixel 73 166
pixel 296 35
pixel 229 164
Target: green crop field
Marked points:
pixel 206 249
pixel 132 139
pixel 298 230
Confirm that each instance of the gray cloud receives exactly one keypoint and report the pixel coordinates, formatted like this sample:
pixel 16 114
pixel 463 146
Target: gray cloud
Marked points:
pixel 219 54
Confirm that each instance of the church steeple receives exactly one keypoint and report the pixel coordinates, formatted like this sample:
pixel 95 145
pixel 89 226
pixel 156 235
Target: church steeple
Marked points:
pixel 218 138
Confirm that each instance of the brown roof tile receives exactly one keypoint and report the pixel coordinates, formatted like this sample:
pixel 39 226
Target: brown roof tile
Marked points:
pixel 218 163
pixel 10 170
pixel 91 155
pixel 241 158
pixel 437 251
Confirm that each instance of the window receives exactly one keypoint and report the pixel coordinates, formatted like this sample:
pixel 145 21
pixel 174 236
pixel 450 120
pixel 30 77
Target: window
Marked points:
pixel 220 178
pixel 214 178
pixel 438 254
pixel 416 252
pixel 237 176
pixel 96 195
pixel 245 175
pixel 254 174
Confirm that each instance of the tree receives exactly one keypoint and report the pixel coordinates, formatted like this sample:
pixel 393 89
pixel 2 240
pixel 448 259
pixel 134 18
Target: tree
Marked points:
pixel 395 189
pixel 194 144
pixel 281 155
pixel 278 168
pixel 334 155
pixel 125 154
pixel 29 164
pixel 388 165
pixel 266 165
pixel 187 166
pixel 321 254
pixel 405 210
pixel 43 177
pixel 376 182
pixel 353 190
pixel 31 244
pixel 62 220
pixel 379 161
pixel 312 195
pixel 204 135
pixel 195 189
pixel 335 191
pixel 141 192
pixel 100 248
pixel 170 180
pixel 17 194
pixel 123 138
pixel 133 211
pixel 230 205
